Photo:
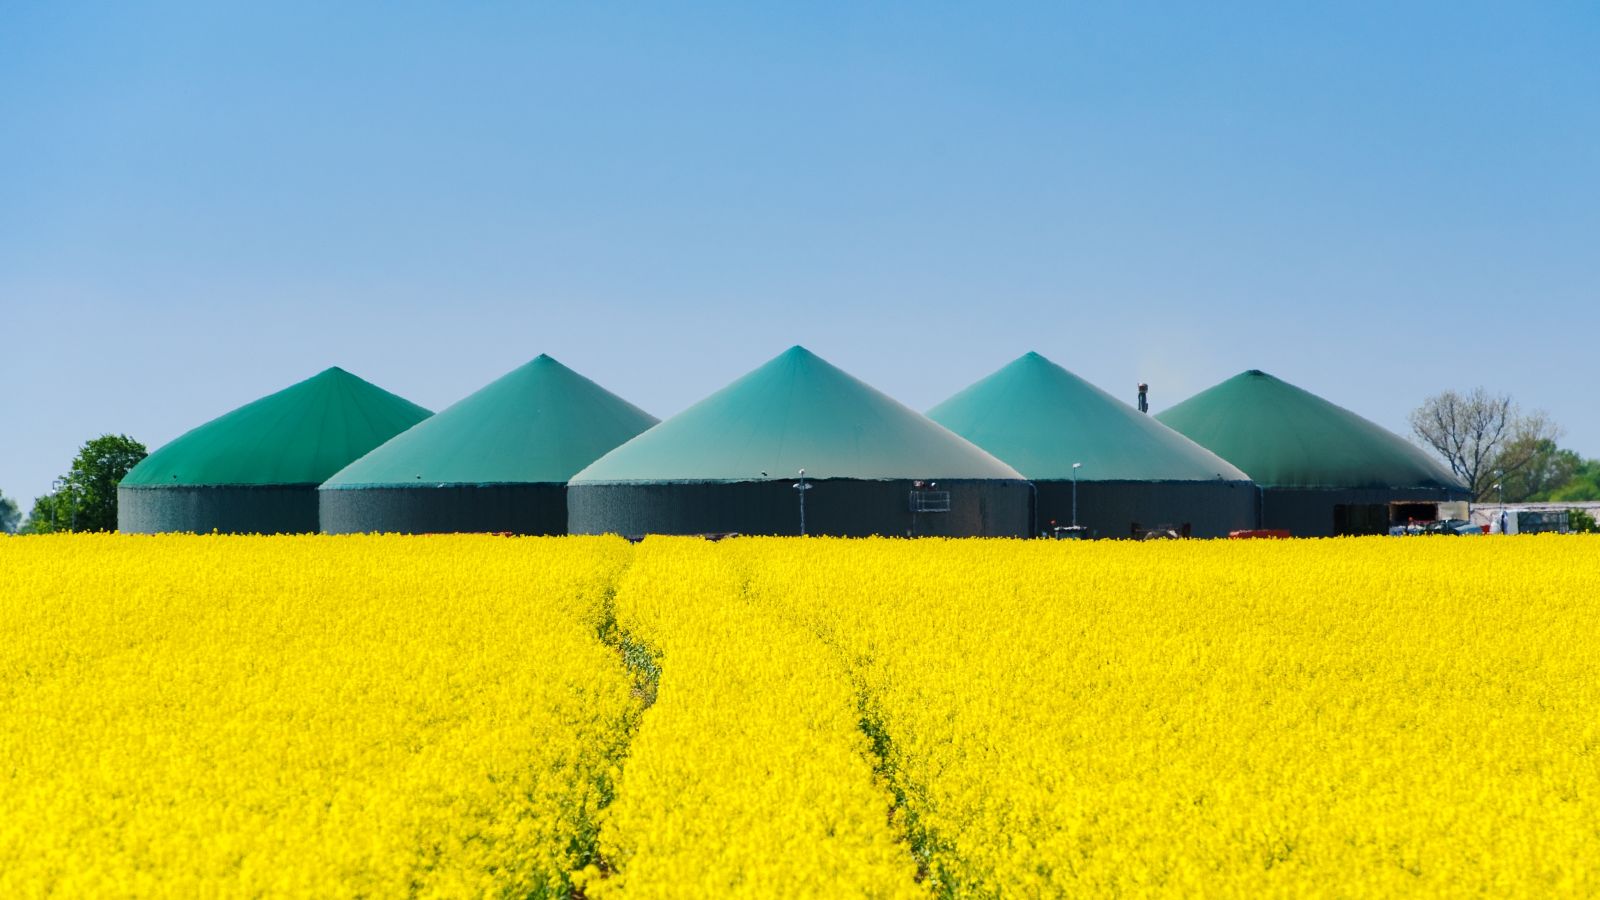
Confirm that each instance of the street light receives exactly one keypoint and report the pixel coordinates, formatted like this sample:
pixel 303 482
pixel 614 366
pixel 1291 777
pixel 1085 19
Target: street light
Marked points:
pixel 1075 468
pixel 800 488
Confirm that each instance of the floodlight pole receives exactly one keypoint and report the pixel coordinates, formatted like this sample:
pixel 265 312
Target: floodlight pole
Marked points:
pixel 1500 486
pixel 1075 468
pixel 801 487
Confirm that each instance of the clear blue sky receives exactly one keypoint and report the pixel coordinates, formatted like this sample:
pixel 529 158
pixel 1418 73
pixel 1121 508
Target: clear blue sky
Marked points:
pixel 202 203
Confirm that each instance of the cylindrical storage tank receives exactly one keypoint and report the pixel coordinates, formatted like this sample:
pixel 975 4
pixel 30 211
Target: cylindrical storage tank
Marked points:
pixel 256 469
pixel 731 464
pixel 497 461
pixel 1322 470
pixel 1135 476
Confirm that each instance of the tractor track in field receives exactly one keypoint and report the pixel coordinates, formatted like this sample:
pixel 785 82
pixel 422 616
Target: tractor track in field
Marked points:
pixel 643 668
pixel 926 847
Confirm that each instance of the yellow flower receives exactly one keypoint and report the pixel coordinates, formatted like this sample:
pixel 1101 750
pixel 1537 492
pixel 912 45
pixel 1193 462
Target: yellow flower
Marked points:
pixel 469 716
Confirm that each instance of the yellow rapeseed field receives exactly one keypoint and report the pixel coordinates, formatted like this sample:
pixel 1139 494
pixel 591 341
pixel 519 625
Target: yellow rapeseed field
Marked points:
pixel 750 772
pixel 468 716
pixel 1345 717
pixel 322 717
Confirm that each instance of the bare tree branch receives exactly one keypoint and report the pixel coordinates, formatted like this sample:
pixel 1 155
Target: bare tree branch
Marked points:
pixel 1483 437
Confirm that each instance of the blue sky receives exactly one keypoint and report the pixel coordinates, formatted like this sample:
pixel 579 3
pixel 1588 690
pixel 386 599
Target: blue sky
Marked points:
pixel 202 203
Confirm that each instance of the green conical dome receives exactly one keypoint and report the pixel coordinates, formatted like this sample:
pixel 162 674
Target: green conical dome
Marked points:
pixel 300 435
pixel 539 423
pixel 1041 419
pixel 795 412
pixel 1286 437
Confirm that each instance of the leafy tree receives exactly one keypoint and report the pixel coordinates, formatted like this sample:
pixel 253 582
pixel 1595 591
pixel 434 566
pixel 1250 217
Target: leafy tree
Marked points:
pixel 45 516
pixel 1485 438
pixel 1581 522
pixel 1547 468
pixel 9 515
pixel 1583 485
pixel 86 499
pixel 96 471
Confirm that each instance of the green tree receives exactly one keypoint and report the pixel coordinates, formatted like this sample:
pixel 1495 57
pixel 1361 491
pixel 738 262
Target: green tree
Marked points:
pixel 1583 485
pixel 95 474
pixel 86 497
pixel 9 514
pixel 45 516
pixel 1534 468
pixel 1581 522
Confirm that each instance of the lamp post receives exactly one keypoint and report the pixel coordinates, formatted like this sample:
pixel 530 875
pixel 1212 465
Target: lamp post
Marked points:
pixel 1075 468
pixel 800 488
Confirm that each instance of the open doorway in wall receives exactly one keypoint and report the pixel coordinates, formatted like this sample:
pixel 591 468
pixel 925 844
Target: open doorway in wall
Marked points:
pixel 1407 513
pixel 1360 518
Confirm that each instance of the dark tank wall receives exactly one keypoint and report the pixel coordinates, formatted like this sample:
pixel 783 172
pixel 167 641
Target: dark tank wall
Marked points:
pixel 1330 512
pixel 841 507
pixel 1124 509
pixel 439 509
pixel 226 509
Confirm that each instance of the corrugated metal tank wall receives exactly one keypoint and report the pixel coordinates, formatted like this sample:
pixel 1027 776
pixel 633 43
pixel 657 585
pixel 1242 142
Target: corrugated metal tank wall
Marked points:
pixel 532 509
pixel 225 509
pixel 840 507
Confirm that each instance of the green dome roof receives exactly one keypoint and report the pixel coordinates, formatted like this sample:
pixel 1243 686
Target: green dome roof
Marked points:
pixel 300 435
pixel 1284 436
pixel 539 423
pixel 1041 419
pixel 795 412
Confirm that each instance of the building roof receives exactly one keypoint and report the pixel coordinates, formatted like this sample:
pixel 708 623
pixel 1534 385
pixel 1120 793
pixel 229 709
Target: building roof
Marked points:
pixel 539 423
pixel 796 411
pixel 1041 419
pixel 1283 436
pixel 299 435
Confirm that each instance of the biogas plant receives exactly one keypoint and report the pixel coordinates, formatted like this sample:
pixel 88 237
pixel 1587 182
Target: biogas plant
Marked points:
pixel 797 446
